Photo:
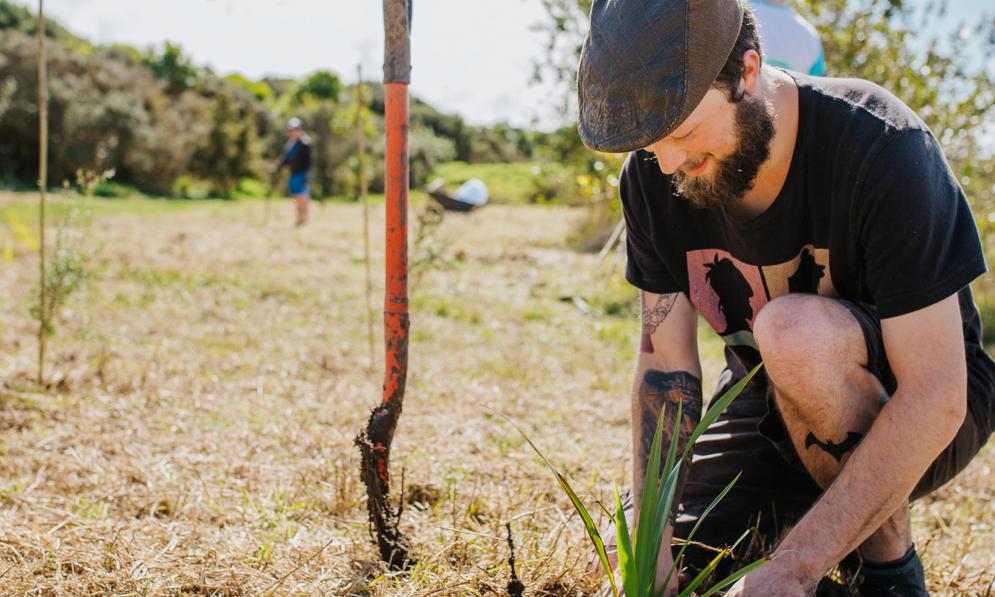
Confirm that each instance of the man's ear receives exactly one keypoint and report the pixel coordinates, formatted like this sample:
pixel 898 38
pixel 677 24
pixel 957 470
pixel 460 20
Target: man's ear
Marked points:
pixel 750 80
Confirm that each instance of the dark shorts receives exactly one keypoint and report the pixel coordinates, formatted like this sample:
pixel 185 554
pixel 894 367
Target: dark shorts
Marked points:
pixel 774 490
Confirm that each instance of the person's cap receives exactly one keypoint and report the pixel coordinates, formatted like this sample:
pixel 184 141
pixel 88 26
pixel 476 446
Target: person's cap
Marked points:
pixel 294 123
pixel 646 64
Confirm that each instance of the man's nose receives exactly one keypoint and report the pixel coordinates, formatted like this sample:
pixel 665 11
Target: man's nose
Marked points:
pixel 670 159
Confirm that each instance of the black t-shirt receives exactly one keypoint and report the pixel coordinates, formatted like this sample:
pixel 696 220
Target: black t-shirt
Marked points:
pixel 869 212
pixel 297 155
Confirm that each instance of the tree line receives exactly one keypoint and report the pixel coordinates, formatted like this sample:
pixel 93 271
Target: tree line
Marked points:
pixel 168 127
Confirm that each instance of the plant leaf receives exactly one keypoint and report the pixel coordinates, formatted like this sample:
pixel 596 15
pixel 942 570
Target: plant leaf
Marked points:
pixel 592 530
pixel 645 561
pixel 701 519
pixel 664 500
pixel 688 590
pixel 718 406
pixel 623 545
pixel 725 582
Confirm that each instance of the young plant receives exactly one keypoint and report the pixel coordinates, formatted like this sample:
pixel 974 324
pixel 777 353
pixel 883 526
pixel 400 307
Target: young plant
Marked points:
pixel 68 266
pixel 638 553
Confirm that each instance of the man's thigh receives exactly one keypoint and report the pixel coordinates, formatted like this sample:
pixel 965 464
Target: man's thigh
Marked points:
pixel 974 431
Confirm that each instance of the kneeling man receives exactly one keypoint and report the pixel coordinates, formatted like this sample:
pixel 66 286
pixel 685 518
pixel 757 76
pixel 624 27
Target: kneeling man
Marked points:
pixel 816 225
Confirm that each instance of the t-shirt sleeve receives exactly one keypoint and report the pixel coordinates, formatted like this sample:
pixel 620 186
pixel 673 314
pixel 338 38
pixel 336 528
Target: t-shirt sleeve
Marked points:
pixel 918 237
pixel 644 268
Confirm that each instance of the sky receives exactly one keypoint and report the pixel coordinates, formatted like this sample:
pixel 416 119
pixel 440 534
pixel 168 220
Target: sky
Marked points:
pixel 471 57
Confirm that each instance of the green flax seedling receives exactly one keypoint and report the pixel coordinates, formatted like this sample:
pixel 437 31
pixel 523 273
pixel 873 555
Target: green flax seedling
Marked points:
pixel 638 552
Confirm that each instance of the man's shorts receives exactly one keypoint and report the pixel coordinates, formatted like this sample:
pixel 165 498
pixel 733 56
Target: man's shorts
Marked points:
pixel 298 184
pixel 774 490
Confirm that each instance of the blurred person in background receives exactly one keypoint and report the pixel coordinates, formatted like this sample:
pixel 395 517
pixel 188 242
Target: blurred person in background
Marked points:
pixel 789 40
pixel 297 155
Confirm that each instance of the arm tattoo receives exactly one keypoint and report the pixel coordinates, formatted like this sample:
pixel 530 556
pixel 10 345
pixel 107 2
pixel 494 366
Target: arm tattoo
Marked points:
pixel 652 318
pixel 837 451
pixel 664 391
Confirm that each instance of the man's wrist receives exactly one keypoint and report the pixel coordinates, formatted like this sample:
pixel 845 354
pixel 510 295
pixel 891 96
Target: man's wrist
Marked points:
pixel 796 564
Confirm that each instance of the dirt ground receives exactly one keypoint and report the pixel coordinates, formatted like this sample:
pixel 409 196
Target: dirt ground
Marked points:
pixel 208 379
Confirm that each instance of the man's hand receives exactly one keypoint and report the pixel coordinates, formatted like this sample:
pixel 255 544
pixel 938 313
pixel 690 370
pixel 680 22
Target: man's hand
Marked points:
pixel 770 580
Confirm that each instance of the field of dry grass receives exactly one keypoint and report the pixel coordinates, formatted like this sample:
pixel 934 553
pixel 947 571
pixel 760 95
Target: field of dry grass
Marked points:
pixel 209 378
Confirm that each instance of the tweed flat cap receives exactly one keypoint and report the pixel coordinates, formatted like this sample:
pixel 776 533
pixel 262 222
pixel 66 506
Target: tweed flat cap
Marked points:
pixel 646 64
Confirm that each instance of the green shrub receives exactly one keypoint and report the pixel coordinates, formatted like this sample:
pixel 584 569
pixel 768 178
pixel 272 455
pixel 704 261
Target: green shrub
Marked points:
pixel 188 187
pixel 250 188
pixel 115 190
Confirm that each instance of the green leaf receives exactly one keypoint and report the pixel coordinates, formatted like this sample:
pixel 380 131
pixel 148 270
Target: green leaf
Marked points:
pixel 672 451
pixel 718 406
pixel 701 519
pixel 592 530
pixel 689 590
pixel 667 495
pixel 645 533
pixel 725 582
pixel 626 561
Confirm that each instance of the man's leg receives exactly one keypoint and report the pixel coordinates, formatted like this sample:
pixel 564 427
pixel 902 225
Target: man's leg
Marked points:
pixel 816 356
pixel 770 495
pixel 301 202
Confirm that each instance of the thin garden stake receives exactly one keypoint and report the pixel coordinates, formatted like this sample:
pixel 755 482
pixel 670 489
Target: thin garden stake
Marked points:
pixel 42 183
pixel 374 442
pixel 364 197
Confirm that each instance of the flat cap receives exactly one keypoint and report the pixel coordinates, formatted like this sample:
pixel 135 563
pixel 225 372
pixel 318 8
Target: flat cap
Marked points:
pixel 646 64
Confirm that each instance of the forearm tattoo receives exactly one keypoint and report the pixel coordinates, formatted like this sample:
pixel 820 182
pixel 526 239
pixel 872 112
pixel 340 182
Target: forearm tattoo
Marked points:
pixel 653 317
pixel 666 391
pixel 837 451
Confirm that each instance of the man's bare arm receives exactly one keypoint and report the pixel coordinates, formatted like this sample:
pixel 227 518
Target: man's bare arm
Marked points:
pixel 926 353
pixel 668 375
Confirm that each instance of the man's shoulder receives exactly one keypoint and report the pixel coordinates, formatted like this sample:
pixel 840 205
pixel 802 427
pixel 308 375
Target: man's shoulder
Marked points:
pixel 862 102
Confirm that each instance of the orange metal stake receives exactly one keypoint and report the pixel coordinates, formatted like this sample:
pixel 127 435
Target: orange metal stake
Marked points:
pixel 374 443
pixel 396 296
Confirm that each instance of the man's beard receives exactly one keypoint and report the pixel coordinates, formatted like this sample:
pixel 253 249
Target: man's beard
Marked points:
pixel 735 174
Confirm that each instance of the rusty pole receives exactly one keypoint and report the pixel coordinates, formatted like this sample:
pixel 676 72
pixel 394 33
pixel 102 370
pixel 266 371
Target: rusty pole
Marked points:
pixel 374 443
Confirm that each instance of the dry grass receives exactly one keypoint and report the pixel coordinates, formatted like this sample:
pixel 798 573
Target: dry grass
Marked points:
pixel 209 379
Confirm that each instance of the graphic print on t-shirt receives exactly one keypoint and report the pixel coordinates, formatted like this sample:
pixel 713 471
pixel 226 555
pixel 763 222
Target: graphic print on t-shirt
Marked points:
pixel 808 272
pixel 729 293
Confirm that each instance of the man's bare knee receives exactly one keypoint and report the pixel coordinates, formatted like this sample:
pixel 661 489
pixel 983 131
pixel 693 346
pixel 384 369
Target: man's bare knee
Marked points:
pixel 807 341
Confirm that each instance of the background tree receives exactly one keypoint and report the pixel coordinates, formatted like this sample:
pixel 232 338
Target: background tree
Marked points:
pixel 170 127
pixel 173 67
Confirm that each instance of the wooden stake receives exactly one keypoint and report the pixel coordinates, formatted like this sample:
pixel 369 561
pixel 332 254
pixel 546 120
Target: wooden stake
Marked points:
pixel 42 183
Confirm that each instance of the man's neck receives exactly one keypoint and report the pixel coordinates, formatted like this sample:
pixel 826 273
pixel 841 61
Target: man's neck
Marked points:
pixel 780 90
